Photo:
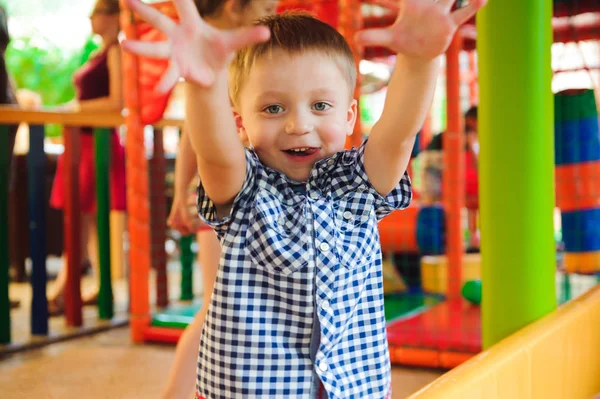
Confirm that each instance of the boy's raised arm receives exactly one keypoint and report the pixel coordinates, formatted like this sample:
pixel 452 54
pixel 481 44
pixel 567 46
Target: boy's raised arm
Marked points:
pixel 200 53
pixel 220 154
pixel 422 32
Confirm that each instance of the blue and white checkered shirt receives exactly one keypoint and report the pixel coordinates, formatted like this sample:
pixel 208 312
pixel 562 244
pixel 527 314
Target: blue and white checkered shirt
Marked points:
pixel 299 292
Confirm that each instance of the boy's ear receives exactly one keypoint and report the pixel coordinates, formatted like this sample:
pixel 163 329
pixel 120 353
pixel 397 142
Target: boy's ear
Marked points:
pixel 351 117
pixel 240 128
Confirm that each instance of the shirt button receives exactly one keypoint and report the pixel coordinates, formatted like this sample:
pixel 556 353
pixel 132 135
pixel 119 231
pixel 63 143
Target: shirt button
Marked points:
pixel 325 305
pixel 323 366
pixel 331 161
pixel 314 195
pixel 348 215
pixel 324 247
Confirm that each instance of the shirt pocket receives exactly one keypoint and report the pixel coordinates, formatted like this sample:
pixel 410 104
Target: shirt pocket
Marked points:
pixel 356 234
pixel 275 238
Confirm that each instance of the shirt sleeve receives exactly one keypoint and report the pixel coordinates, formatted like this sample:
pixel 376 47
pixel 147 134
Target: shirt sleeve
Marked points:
pixel 400 196
pixel 206 208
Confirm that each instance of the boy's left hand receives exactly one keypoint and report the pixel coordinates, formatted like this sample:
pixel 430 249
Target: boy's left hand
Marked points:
pixel 423 29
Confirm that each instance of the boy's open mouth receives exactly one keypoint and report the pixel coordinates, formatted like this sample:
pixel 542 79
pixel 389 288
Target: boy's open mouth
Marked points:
pixel 301 151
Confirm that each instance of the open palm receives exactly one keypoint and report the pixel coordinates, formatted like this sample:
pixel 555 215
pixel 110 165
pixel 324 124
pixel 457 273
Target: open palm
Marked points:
pixel 198 52
pixel 423 28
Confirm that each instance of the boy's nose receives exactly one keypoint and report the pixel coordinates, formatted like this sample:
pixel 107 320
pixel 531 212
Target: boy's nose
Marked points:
pixel 298 125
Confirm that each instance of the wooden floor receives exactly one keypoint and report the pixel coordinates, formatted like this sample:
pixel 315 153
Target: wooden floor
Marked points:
pixel 108 364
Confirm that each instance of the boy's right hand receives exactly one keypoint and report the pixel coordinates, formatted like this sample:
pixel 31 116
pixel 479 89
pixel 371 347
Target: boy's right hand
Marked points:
pixel 198 52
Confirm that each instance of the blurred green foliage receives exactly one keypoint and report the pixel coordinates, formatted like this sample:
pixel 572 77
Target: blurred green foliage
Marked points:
pixel 41 66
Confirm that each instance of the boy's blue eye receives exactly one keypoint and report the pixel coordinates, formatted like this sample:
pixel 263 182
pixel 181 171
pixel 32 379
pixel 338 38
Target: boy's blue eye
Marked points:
pixel 273 109
pixel 321 106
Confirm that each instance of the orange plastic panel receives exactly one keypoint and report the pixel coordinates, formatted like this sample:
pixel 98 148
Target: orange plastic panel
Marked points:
pixel 578 186
pixel 398 231
pixel 582 262
pixel 152 104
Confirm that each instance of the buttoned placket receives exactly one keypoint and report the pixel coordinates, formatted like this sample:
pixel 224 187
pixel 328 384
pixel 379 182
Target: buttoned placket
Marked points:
pixel 324 257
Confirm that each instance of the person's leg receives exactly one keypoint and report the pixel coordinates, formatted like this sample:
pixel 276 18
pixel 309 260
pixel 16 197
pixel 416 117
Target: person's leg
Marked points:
pixel 87 198
pixel 90 224
pixel 473 231
pixel 183 372
pixel 55 298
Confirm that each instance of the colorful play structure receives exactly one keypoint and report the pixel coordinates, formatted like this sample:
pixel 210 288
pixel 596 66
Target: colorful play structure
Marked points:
pixel 431 325
pixel 515 343
pixel 557 355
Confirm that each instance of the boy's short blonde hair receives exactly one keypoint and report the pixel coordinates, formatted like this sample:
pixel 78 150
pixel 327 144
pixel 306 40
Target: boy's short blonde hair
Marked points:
pixel 295 33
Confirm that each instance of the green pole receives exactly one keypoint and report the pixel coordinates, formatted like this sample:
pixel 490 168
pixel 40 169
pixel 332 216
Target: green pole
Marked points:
pixel 187 262
pixel 4 254
pixel 514 39
pixel 102 138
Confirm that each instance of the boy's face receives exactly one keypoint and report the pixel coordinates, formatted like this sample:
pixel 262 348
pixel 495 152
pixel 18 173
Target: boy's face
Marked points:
pixel 295 110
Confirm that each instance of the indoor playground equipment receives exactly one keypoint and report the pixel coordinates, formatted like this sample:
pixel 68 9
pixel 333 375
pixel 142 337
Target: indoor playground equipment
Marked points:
pixel 418 229
pixel 449 332
pixel 429 324
pixel 38 231
pixel 556 355
pixel 577 148
pixel 146 205
pixel 165 323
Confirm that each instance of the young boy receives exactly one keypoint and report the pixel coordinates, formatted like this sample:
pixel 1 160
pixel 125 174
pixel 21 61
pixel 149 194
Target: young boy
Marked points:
pixel 297 308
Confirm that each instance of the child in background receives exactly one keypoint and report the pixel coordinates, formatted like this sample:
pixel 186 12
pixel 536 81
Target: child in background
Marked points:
pixel 432 161
pixel 297 307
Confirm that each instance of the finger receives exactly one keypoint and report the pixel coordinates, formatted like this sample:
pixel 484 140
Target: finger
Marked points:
pixel 169 79
pixel 152 16
pixel 188 13
pixel 180 225
pixel 176 225
pixel 244 37
pixel 465 13
pixel 374 37
pixel 190 225
pixel 185 228
pixel 148 49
